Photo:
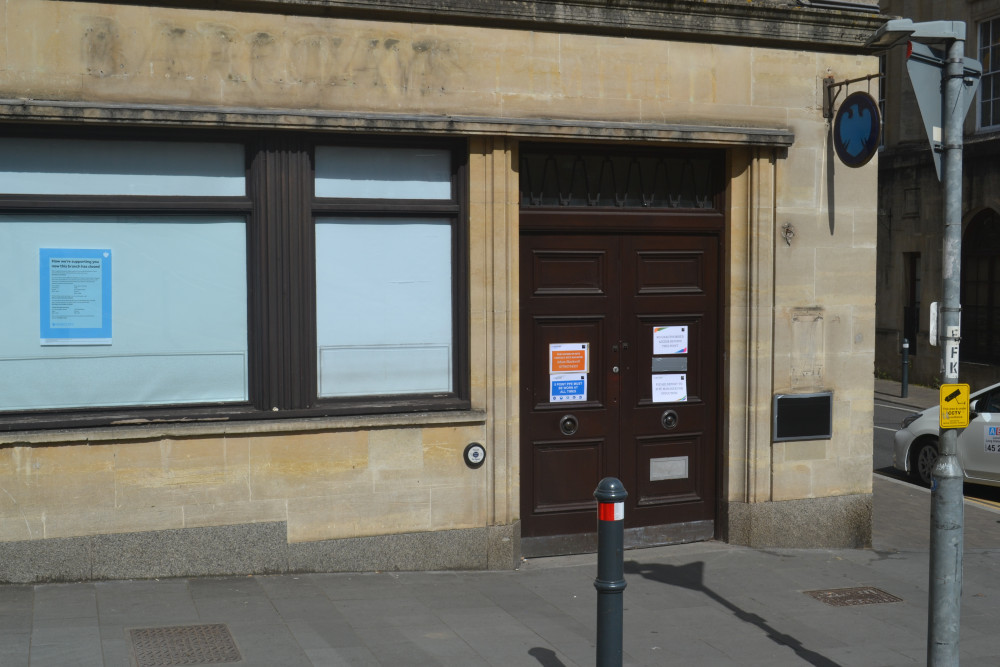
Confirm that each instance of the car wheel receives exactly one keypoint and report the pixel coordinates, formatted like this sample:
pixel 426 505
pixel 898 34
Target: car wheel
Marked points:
pixel 923 457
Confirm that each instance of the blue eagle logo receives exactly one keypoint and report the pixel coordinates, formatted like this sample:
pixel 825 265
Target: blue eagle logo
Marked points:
pixel 855 130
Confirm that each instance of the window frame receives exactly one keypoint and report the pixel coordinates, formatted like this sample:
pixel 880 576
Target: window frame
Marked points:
pixel 280 209
pixel 994 72
pixel 455 210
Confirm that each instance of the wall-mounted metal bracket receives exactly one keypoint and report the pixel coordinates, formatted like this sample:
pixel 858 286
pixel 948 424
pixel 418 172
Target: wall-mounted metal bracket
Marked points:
pixel 831 91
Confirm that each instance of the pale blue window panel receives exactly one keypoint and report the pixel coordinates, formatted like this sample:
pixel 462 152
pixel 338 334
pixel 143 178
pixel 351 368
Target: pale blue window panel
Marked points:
pixel 179 317
pixel 359 172
pixel 91 167
pixel 384 306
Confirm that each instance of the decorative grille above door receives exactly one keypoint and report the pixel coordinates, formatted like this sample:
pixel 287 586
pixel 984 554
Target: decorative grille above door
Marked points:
pixel 591 177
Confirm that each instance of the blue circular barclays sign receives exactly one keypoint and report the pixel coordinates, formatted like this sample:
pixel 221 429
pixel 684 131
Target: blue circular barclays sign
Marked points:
pixel 856 130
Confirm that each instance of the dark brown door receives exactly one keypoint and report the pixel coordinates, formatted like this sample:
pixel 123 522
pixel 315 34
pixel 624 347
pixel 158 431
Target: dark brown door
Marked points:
pixel 645 302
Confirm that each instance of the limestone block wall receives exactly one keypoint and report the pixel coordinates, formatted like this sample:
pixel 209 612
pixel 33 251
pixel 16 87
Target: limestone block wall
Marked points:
pixel 802 319
pixel 825 319
pixel 325 485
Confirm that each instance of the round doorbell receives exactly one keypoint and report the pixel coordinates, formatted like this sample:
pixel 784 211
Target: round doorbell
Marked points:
pixel 475 455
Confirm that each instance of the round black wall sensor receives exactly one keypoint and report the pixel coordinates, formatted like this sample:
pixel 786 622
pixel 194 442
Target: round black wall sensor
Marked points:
pixel 475 455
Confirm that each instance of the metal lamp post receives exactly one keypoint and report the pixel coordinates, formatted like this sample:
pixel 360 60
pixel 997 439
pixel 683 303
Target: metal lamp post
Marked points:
pixel 943 83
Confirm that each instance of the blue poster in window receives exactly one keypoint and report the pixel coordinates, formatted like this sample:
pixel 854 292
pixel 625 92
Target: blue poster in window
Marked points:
pixel 74 289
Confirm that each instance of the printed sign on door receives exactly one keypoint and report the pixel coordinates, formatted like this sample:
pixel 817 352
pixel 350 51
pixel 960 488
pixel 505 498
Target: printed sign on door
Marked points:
pixel 569 358
pixel 569 365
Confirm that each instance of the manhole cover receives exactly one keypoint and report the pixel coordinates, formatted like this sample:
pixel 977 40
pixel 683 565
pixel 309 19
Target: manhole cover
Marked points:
pixel 183 645
pixel 847 597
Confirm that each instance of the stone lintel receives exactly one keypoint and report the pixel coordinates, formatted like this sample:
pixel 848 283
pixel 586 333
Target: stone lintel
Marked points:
pixel 76 113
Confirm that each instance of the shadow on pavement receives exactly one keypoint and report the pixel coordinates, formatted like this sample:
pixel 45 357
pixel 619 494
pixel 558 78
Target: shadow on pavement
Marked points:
pixel 691 576
pixel 546 657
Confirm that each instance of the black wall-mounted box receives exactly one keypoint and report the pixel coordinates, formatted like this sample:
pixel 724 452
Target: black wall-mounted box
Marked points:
pixel 802 416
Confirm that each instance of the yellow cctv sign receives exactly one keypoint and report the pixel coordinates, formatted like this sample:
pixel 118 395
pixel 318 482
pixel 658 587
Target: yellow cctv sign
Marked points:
pixel 954 411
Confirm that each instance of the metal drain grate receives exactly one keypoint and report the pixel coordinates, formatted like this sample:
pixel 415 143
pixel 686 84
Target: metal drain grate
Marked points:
pixel 183 645
pixel 848 597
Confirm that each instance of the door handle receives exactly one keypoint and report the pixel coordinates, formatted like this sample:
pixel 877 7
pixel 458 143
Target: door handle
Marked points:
pixel 669 419
pixel 569 424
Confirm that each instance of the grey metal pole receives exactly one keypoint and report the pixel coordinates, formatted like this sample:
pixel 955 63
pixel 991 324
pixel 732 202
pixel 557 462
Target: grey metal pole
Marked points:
pixel 905 386
pixel 610 581
pixel 947 510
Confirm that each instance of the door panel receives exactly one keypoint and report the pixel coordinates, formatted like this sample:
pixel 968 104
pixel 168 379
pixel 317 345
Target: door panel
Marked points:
pixel 668 271
pixel 664 468
pixel 554 490
pixel 564 272
pixel 612 289
pixel 567 287
pixel 669 280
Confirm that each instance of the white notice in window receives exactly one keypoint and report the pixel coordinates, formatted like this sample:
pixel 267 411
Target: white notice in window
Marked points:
pixel 669 387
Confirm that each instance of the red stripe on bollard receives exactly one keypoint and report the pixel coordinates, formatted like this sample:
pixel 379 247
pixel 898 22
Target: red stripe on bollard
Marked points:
pixel 610 511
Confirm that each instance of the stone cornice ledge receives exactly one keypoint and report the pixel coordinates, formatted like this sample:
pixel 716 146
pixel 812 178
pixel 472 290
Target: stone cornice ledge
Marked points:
pixel 776 23
pixel 49 111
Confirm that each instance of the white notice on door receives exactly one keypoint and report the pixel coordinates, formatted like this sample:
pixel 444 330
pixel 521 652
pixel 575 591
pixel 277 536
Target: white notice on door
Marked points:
pixel 670 340
pixel 669 387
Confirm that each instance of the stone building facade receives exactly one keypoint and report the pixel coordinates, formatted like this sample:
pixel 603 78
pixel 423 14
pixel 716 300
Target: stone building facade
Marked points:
pixel 911 213
pixel 280 267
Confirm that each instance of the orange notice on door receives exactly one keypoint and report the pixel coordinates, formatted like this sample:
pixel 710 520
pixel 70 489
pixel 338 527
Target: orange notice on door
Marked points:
pixel 569 358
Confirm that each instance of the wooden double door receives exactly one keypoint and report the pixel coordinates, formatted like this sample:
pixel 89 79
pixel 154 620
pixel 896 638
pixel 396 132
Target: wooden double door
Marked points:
pixel 620 368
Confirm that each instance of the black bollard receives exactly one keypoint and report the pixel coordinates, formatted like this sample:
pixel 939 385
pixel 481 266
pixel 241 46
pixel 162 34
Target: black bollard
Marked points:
pixel 610 581
pixel 904 387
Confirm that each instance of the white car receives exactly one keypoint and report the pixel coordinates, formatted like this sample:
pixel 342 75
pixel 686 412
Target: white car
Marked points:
pixel 915 444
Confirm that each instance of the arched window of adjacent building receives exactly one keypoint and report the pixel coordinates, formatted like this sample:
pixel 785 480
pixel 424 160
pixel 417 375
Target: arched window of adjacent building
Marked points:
pixel 981 289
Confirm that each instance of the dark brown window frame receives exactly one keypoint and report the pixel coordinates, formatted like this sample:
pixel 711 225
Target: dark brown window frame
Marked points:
pixel 455 210
pixel 280 210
